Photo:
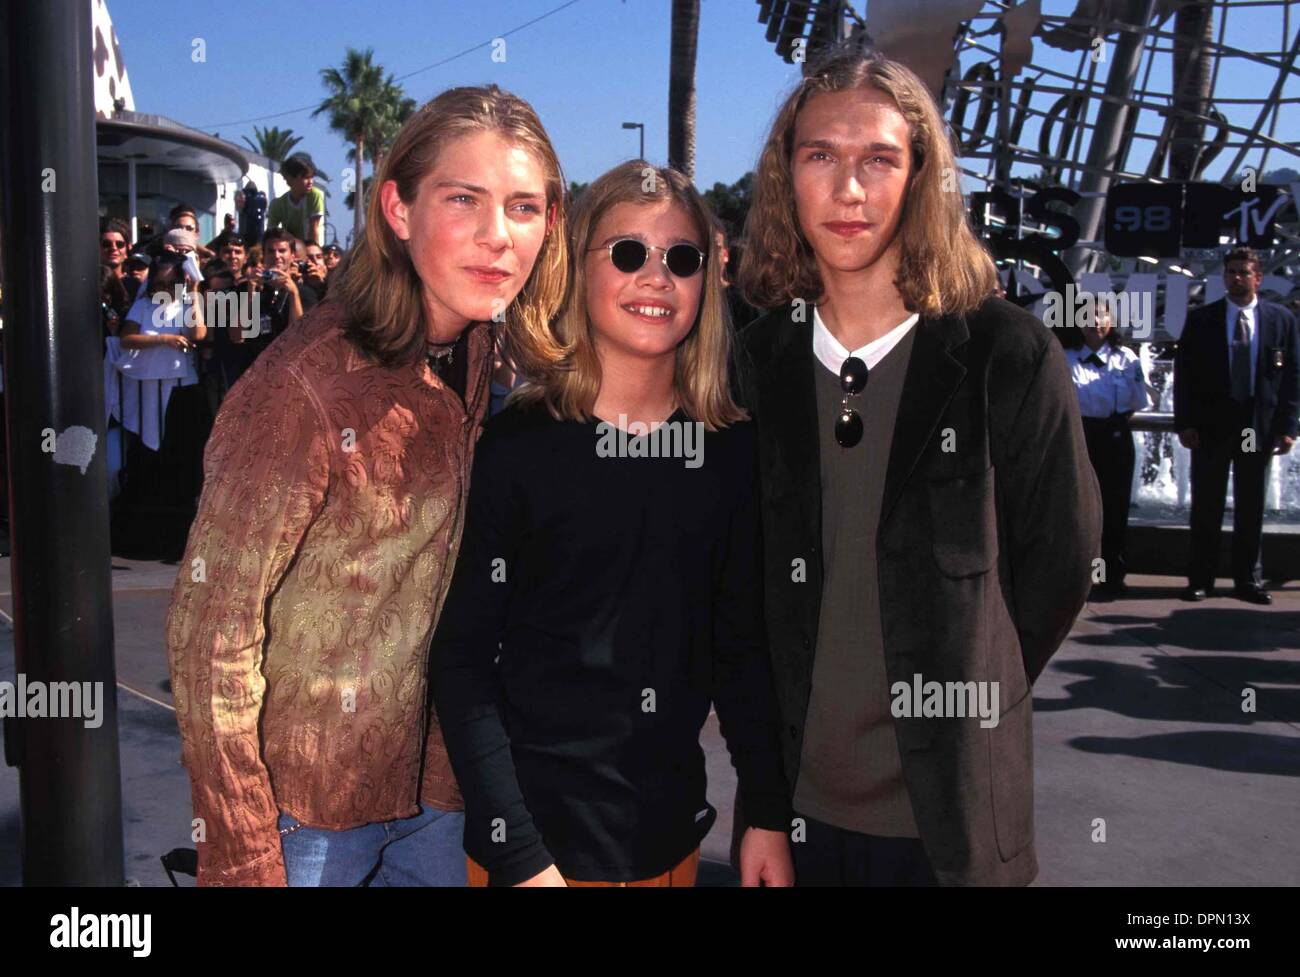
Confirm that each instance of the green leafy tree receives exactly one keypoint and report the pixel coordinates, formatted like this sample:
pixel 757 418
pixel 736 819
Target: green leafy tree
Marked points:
pixel 273 143
pixel 359 106
pixel 731 203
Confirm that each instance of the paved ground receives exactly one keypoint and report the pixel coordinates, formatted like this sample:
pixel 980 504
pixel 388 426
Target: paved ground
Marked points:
pixel 1138 721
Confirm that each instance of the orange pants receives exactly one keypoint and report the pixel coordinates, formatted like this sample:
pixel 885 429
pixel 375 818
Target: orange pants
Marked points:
pixel 682 875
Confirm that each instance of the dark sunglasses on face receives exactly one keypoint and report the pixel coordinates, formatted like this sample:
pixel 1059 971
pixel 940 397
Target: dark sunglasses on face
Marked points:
pixel 630 255
pixel 853 380
pixel 113 245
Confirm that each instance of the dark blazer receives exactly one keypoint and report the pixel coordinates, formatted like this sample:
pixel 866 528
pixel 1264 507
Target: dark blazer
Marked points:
pixel 1203 380
pixel 984 556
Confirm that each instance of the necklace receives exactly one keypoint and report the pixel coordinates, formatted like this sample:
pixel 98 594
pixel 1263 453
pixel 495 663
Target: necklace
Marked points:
pixel 439 356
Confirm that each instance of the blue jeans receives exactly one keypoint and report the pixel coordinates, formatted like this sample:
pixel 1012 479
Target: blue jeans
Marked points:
pixel 424 850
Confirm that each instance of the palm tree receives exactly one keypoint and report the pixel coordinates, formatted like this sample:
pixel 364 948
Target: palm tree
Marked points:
pixel 273 143
pixel 360 99
pixel 681 86
pixel 397 108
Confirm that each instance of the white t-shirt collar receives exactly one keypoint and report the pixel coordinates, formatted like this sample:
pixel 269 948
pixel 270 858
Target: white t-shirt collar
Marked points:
pixel 832 353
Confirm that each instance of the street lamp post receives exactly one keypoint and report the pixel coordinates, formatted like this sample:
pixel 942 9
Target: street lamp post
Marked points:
pixel 640 126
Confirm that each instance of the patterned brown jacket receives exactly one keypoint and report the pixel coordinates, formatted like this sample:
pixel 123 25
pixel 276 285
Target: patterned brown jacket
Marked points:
pixel 317 564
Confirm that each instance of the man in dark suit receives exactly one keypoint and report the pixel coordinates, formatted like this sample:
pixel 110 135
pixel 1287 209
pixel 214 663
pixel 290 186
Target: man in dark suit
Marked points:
pixel 930 515
pixel 1236 397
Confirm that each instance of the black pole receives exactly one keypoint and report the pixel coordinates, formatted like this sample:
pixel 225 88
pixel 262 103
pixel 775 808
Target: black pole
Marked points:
pixel 1109 148
pixel 69 772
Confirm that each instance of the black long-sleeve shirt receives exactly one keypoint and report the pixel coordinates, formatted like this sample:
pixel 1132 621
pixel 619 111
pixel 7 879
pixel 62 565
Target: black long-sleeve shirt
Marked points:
pixel 598 606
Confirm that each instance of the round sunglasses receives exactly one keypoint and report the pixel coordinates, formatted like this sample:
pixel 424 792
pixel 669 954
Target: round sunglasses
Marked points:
pixel 630 255
pixel 853 380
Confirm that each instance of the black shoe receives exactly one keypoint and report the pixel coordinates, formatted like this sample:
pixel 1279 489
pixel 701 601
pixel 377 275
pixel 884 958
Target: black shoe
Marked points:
pixel 1195 594
pixel 1252 593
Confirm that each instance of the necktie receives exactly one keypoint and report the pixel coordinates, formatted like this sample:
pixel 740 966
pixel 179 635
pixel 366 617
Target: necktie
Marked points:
pixel 1241 359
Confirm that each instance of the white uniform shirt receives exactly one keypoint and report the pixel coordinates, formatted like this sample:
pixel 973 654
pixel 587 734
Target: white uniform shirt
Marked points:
pixel 1118 386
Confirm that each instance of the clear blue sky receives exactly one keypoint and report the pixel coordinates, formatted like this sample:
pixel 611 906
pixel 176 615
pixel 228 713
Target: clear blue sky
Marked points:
pixel 586 69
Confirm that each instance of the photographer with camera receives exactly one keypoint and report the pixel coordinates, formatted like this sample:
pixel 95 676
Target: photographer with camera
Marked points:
pixel 221 359
pixel 274 292
pixel 315 273
pixel 183 218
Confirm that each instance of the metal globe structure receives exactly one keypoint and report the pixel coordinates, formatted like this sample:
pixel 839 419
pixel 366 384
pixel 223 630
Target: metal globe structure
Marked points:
pixel 1155 92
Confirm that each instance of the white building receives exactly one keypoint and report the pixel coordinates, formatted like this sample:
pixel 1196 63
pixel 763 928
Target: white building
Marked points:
pixel 149 163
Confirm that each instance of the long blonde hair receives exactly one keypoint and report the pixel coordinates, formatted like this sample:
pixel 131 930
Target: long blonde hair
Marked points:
pixel 942 267
pixel 378 286
pixel 570 385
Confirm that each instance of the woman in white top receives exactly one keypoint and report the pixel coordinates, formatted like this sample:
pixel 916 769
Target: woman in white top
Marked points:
pixel 1111 385
pixel 158 347
pixel 161 404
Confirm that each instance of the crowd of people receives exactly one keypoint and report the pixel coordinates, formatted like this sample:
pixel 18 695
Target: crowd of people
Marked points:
pixel 167 369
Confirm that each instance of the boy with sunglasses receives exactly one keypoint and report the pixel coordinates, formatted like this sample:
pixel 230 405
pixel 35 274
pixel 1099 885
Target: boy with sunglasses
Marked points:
pixel 930 515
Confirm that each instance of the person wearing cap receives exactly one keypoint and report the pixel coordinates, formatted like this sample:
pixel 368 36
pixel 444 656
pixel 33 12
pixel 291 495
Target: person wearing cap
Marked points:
pixel 135 269
pixel 186 243
pixel 158 401
pixel 234 252
pixel 180 241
